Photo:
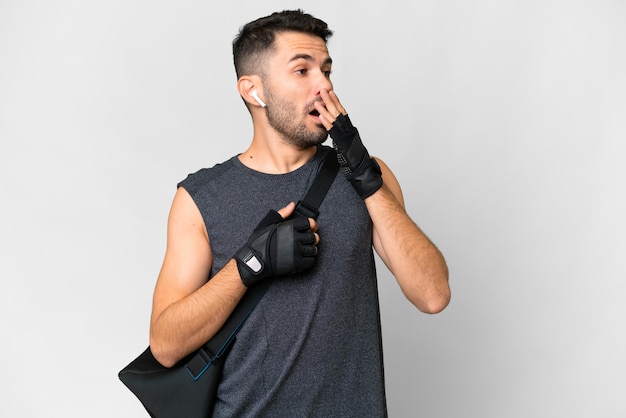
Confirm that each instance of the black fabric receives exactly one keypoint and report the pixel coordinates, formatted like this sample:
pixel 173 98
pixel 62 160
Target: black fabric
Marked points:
pixel 188 390
pixel 173 392
pixel 308 206
pixel 272 217
pixel 356 163
pixel 278 249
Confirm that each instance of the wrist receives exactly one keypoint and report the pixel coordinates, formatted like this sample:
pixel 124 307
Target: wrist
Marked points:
pixel 367 179
pixel 249 264
pixel 362 170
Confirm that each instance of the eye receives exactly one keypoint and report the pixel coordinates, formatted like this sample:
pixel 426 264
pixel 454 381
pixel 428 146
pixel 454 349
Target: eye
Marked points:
pixel 301 71
pixel 327 73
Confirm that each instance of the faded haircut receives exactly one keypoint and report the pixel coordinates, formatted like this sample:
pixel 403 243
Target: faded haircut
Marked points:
pixel 256 38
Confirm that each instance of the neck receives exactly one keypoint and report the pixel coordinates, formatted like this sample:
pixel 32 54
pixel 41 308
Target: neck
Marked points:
pixel 275 158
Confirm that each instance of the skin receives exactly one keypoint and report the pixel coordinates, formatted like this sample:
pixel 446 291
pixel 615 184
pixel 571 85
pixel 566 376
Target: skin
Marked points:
pixel 187 309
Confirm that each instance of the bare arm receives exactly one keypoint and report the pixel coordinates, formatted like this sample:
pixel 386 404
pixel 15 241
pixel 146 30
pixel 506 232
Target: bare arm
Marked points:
pixel 413 259
pixel 416 263
pixel 187 309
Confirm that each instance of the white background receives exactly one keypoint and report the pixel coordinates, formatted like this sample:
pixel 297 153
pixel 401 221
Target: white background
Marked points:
pixel 505 121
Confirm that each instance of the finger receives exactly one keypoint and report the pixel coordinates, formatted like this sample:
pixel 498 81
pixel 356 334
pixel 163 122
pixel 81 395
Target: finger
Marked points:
pixel 325 116
pixel 272 217
pixel 287 210
pixel 308 251
pixel 308 238
pixel 338 104
pixel 308 227
pixel 330 108
pixel 330 103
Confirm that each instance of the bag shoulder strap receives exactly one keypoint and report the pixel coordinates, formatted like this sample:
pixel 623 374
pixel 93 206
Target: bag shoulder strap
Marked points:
pixel 307 207
pixel 310 203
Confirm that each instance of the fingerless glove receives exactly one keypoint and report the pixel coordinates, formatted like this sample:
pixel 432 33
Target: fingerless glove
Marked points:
pixel 356 164
pixel 277 247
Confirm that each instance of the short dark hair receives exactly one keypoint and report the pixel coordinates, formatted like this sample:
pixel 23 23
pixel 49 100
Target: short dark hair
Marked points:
pixel 257 37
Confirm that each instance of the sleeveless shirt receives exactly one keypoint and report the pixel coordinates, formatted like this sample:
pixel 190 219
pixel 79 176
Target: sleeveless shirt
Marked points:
pixel 312 347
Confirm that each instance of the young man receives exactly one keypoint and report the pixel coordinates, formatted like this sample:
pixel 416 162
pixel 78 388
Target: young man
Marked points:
pixel 312 347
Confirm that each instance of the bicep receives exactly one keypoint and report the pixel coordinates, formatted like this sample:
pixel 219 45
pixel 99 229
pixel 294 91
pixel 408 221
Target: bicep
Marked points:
pixel 187 263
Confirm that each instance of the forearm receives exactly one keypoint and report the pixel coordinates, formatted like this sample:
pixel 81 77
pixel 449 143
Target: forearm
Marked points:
pixel 417 264
pixel 190 322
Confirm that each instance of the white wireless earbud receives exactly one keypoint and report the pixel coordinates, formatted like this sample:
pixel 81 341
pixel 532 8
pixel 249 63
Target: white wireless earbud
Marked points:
pixel 254 94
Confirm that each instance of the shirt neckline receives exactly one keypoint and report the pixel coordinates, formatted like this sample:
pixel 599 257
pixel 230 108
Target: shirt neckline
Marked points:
pixel 315 158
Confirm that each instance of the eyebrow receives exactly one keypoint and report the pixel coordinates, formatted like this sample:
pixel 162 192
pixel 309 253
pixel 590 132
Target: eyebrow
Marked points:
pixel 308 57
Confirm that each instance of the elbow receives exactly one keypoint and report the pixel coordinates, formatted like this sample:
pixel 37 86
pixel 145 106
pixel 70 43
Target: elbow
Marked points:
pixel 161 354
pixel 435 305
pixel 438 298
pixel 428 288
pixel 433 302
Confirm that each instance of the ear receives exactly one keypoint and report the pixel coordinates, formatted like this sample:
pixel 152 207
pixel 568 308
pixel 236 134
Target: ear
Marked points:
pixel 246 86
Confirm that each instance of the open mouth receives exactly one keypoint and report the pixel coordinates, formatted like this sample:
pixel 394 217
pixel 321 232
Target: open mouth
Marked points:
pixel 314 113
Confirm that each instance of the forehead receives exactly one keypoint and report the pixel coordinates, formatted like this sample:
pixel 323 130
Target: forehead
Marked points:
pixel 293 44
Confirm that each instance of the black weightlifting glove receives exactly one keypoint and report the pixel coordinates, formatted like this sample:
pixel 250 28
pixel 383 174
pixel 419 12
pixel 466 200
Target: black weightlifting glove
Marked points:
pixel 356 163
pixel 277 247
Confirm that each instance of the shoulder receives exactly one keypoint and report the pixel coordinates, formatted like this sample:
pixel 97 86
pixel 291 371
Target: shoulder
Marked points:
pixel 194 181
pixel 185 214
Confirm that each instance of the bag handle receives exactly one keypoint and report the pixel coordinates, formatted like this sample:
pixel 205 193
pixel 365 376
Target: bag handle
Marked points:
pixel 220 342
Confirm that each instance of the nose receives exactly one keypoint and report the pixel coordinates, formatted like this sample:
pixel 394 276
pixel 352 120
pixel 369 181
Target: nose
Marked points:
pixel 323 83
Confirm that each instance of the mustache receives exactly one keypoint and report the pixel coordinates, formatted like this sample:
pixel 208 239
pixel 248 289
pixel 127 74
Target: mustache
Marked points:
pixel 310 107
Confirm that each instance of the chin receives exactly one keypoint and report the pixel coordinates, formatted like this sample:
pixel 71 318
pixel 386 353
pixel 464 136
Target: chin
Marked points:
pixel 307 138
pixel 321 139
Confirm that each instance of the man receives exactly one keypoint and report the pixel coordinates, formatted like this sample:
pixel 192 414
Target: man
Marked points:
pixel 312 347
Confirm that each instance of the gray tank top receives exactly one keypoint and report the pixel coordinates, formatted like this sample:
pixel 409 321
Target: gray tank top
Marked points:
pixel 312 347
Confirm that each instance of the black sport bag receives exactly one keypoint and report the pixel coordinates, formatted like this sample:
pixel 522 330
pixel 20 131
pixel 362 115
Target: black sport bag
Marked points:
pixel 180 391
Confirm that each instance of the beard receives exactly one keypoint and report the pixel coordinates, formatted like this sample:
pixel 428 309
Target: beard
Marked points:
pixel 290 123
